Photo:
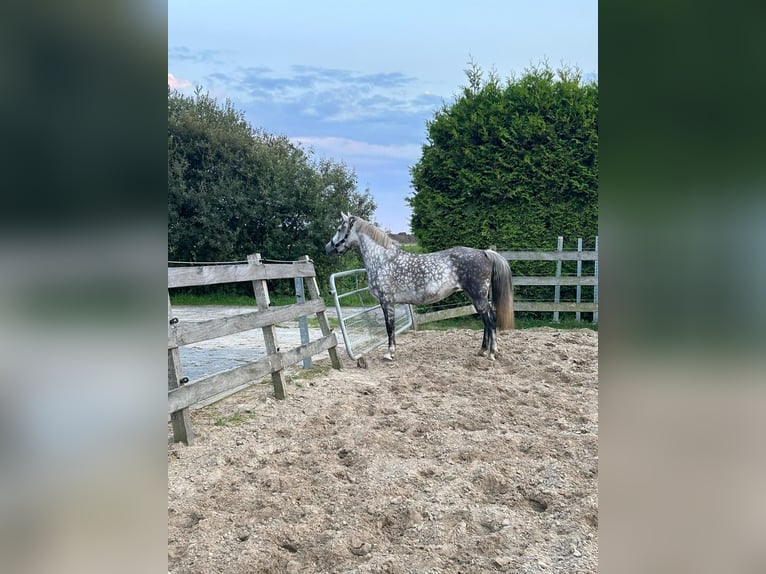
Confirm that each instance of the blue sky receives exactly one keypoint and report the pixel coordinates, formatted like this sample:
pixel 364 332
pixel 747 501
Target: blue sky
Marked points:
pixel 356 81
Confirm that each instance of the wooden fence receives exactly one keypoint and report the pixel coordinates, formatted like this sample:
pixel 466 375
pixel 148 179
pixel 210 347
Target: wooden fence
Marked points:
pixel 183 393
pixel 556 306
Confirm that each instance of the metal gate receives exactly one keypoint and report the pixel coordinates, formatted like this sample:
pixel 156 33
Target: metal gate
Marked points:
pixel 360 315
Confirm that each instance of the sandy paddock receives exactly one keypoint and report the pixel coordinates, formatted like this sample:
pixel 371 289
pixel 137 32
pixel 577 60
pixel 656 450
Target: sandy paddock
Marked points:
pixel 440 461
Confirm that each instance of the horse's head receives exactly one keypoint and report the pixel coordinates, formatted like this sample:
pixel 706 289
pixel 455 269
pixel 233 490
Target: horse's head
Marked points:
pixel 342 238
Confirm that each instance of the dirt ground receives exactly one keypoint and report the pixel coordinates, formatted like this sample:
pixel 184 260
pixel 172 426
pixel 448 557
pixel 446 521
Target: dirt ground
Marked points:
pixel 438 462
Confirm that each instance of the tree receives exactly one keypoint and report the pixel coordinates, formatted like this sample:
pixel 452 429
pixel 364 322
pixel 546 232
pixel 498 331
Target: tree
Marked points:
pixel 513 165
pixel 235 190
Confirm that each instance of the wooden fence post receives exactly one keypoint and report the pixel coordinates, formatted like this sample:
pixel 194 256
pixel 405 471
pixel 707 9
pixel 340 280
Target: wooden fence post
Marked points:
pixel 303 323
pixel 269 332
pixel 579 274
pixel 557 288
pixel 324 325
pixel 179 420
pixel 595 287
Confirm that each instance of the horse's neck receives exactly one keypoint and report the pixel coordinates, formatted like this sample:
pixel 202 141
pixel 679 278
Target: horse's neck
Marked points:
pixel 373 252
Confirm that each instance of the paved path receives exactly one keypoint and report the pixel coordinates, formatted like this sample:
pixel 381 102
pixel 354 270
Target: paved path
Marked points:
pixel 207 357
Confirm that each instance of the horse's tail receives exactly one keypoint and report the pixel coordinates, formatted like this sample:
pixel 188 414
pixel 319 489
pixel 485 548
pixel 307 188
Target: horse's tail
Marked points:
pixel 502 290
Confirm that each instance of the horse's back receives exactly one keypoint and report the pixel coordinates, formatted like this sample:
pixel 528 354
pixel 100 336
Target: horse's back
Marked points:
pixel 468 259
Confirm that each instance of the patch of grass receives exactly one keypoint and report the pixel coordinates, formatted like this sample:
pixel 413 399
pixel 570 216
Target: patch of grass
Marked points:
pixel 301 374
pixel 232 420
pixel 314 322
pixel 363 299
pixel 317 370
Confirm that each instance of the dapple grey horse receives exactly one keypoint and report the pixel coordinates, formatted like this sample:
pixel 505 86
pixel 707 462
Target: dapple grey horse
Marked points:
pixel 396 276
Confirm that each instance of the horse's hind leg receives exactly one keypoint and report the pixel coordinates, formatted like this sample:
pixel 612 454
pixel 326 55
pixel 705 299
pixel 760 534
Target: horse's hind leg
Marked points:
pixel 479 297
pixel 484 343
pixel 389 314
pixel 489 341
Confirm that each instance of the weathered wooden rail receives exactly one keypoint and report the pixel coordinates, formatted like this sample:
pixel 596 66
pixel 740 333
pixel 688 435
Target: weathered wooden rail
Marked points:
pixel 182 393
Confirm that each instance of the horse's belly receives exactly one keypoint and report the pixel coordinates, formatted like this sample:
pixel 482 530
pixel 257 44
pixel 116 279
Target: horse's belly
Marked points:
pixel 425 296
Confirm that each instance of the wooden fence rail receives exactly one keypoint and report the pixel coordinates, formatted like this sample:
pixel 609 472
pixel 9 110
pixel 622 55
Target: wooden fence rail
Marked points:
pixel 557 281
pixel 182 393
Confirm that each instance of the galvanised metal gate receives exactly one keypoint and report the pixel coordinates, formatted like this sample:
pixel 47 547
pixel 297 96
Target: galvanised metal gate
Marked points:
pixel 360 315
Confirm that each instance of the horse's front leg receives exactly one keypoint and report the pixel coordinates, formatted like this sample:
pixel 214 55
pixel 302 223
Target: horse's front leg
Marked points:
pixel 390 316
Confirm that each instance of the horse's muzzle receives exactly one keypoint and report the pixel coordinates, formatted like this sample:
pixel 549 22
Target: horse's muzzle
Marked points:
pixel 330 249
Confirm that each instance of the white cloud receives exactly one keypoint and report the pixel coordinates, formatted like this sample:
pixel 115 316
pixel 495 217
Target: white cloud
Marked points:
pixel 175 83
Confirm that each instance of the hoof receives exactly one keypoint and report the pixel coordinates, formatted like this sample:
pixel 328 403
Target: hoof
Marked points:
pixel 483 353
pixel 491 357
pixel 388 357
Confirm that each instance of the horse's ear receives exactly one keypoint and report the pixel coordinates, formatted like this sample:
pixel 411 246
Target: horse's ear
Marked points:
pixel 344 216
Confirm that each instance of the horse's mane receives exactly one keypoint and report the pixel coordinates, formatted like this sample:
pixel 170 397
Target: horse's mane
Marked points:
pixel 375 233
